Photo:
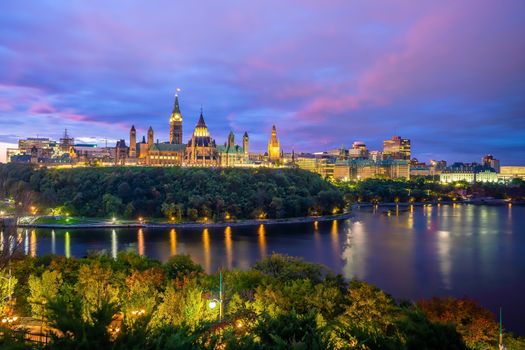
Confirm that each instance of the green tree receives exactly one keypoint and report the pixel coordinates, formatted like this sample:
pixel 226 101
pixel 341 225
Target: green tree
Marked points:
pixel 42 289
pixel 7 287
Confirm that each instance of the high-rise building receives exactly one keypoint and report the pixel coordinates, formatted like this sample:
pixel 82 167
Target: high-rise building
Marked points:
pixel 176 123
pixel 489 161
pixel 274 147
pixel 397 148
pixel 358 150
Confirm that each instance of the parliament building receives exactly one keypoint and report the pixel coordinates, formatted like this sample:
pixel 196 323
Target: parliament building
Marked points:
pixel 200 150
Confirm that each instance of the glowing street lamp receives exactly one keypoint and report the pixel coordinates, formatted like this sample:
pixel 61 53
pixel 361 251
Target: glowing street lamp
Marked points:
pixel 9 319
pixel 214 302
pixel 137 313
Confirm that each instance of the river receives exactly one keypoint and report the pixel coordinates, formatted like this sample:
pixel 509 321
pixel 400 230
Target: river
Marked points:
pixel 413 253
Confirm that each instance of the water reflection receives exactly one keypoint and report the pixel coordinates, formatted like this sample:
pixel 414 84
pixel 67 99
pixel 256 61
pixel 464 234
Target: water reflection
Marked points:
pixel 114 244
pixel 173 242
pixel 53 242
pixel 67 245
pixel 26 242
pixel 445 258
pixel 478 251
pixel 140 241
pixel 334 234
pixel 261 232
pixel 33 243
pixel 228 246
pixel 206 250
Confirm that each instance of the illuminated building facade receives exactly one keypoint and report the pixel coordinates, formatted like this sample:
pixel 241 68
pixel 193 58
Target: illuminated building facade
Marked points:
pixel 274 147
pixel 176 124
pixel 358 150
pixel 490 161
pixel 468 172
pixel 231 155
pixel 165 154
pixel 512 172
pixel 201 149
pixel 362 169
pixel 397 148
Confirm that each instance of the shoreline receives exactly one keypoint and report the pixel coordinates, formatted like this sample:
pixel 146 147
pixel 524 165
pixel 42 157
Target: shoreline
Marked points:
pixel 103 224
pixel 253 222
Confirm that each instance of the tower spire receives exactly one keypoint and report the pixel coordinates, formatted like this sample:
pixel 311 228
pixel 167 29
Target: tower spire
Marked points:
pixel 176 121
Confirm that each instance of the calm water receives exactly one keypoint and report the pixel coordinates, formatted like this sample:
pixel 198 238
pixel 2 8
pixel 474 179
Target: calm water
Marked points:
pixel 463 250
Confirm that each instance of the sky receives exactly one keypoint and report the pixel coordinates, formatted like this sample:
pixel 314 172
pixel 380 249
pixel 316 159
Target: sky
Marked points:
pixel 449 75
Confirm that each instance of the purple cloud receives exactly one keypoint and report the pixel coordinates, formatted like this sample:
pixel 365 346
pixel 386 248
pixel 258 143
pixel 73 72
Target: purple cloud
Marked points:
pixel 449 75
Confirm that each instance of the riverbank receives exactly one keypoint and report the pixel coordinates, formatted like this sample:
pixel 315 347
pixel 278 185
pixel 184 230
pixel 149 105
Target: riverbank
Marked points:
pixel 481 201
pixel 105 224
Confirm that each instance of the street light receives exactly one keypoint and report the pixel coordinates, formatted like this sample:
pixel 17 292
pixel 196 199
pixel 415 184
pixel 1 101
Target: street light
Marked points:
pixel 9 319
pixel 138 312
pixel 213 303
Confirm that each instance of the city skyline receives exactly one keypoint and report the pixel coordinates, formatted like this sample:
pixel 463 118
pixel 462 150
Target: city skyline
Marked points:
pixel 448 76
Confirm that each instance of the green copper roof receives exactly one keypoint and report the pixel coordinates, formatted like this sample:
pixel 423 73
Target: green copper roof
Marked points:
pixel 168 147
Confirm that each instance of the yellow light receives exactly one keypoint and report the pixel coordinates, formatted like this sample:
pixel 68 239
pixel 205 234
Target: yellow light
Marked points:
pixel 138 312
pixel 212 304
pixel 227 216
pixel 239 324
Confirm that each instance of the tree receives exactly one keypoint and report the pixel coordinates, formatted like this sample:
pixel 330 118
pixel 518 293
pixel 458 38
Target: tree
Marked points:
pixel 168 209
pixel 112 204
pixel 96 287
pixel 42 289
pixel 7 288
pixel 180 266
pixel 475 323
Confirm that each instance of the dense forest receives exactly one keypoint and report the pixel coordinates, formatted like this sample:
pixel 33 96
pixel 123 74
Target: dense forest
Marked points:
pixel 132 302
pixel 215 194
pixel 421 189
pixel 179 193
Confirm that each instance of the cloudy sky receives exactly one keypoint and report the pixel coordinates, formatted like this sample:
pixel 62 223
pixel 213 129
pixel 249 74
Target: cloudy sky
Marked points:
pixel 449 75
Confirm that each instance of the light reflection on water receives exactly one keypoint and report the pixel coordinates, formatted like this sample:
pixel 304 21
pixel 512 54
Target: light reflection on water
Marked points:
pixel 478 251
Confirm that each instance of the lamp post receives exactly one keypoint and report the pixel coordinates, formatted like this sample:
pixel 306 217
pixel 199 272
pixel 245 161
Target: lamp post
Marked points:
pixel 213 303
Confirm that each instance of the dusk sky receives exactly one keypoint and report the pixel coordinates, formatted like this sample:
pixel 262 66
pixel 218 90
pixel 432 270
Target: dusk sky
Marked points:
pixel 449 75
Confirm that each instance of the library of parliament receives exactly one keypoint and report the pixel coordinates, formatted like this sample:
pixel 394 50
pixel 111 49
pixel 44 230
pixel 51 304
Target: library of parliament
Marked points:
pixel 200 150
